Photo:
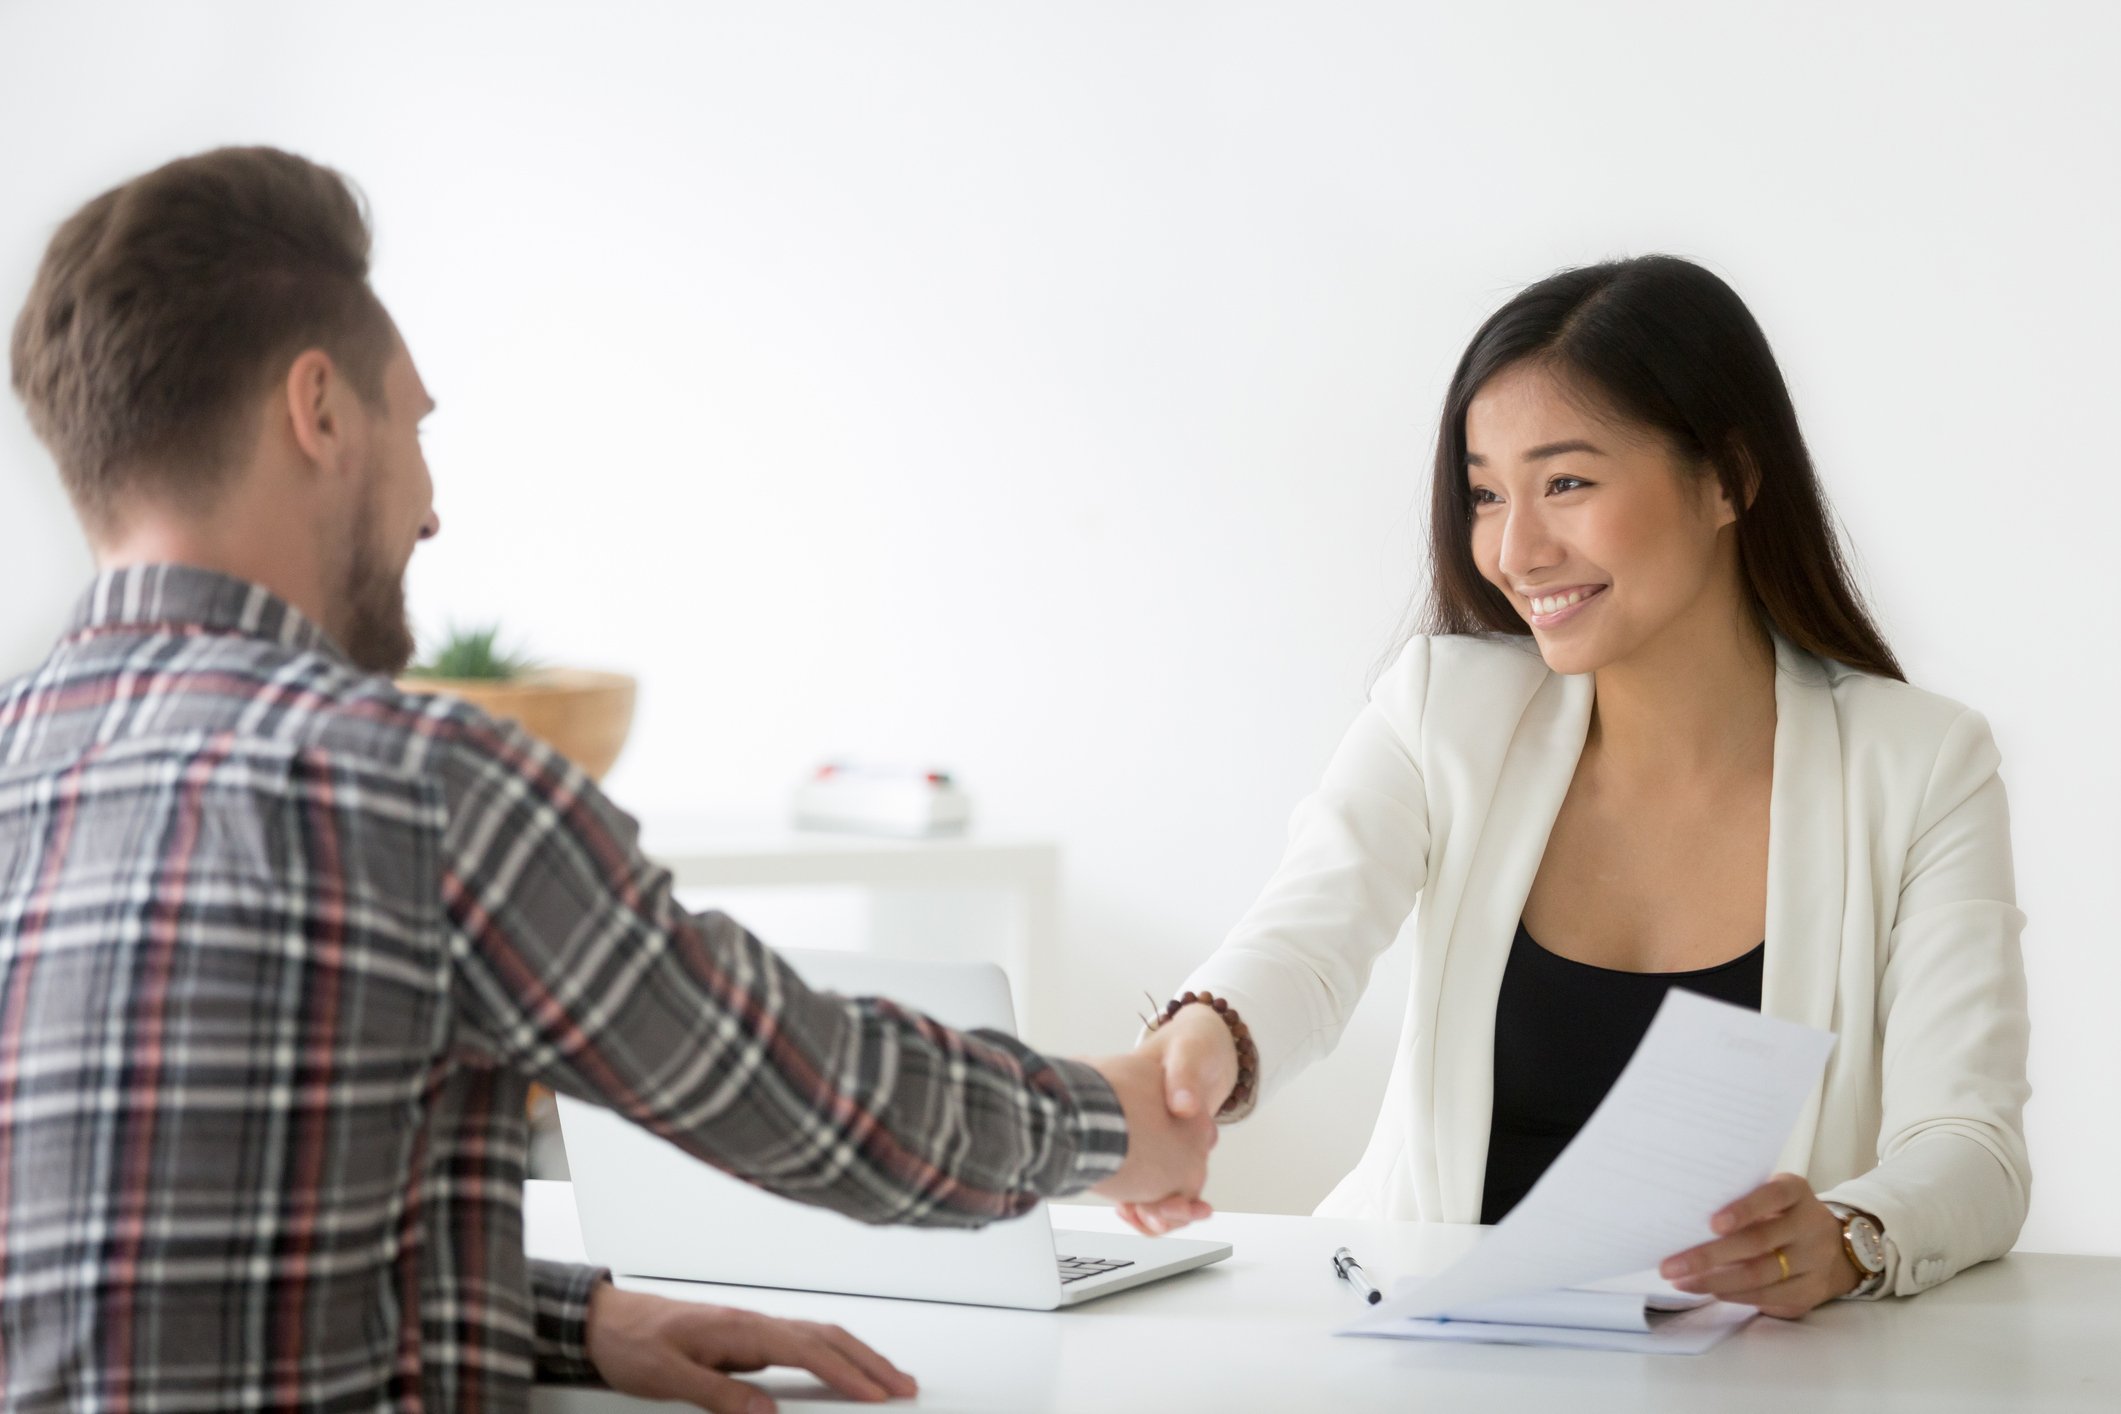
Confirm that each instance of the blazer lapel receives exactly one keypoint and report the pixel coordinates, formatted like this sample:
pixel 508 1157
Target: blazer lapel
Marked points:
pixel 1807 877
pixel 1534 778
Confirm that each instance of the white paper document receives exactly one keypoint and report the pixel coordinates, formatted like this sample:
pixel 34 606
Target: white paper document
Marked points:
pixel 1695 1121
pixel 1586 1319
pixel 1628 1304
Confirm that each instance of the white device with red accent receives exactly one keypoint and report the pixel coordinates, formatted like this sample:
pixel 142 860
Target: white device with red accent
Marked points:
pixel 881 800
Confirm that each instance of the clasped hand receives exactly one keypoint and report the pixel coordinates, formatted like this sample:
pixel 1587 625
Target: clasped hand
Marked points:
pixel 1170 1087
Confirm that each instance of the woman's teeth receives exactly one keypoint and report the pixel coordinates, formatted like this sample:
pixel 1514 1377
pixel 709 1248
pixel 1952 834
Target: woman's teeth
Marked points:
pixel 1555 602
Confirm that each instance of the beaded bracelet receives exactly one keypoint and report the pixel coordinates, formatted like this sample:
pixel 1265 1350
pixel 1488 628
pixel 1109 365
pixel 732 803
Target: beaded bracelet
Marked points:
pixel 1247 1053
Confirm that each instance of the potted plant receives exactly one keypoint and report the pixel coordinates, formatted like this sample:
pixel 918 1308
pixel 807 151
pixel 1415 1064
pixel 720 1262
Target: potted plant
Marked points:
pixel 582 714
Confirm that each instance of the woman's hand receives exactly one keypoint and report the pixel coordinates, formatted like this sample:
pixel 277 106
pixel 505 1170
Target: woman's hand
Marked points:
pixel 1198 1057
pixel 656 1348
pixel 1781 1214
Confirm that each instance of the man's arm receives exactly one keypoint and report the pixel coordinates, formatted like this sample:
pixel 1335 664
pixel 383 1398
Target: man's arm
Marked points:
pixel 560 1292
pixel 576 966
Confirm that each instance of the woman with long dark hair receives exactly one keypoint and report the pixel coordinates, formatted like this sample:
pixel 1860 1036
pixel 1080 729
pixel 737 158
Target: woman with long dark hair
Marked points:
pixel 1649 738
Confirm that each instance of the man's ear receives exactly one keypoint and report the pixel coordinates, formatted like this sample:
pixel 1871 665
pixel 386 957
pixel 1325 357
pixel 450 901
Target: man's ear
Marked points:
pixel 314 391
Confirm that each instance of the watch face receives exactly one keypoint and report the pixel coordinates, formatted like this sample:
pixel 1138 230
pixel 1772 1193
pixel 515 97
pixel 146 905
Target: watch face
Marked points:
pixel 1868 1242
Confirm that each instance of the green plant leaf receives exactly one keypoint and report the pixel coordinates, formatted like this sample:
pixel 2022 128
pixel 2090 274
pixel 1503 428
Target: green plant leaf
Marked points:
pixel 474 654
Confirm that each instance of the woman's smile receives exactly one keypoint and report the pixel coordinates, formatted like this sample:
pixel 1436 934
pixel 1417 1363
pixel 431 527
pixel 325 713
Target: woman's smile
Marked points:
pixel 1553 610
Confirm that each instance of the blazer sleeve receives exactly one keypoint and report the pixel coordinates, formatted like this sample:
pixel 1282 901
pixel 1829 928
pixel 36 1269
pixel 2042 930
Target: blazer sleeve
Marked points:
pixel 1355 862
pixel 1952 1178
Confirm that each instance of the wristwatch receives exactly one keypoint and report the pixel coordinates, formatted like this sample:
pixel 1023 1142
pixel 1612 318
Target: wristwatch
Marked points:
pixel 1864 1238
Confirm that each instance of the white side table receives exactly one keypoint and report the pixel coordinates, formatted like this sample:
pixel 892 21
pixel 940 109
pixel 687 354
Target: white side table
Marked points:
pixel 954 898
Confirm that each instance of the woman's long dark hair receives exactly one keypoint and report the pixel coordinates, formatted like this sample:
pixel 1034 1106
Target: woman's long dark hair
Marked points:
pixel 1665 344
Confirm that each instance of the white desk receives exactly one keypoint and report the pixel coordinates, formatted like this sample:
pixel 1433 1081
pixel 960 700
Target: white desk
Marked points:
pixel 2028 1334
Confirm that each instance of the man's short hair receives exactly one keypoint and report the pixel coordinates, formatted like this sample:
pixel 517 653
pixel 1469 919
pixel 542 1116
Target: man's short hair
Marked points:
pixel 167 306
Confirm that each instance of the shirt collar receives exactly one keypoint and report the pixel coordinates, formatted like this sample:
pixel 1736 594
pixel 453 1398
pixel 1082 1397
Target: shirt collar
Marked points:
pixel 149 597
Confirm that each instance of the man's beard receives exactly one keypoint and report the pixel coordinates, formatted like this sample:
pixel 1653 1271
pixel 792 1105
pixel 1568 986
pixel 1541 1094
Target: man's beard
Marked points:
pixel 376 632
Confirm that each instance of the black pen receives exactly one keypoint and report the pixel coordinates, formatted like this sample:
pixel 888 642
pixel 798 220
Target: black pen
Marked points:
pixel 1350 1271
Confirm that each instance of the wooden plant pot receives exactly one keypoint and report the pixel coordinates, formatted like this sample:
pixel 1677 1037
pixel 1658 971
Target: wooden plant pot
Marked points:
pixel 581 714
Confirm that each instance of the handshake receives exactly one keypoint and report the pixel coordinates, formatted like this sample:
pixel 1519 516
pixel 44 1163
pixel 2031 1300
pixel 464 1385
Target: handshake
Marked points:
pixel 1170 1088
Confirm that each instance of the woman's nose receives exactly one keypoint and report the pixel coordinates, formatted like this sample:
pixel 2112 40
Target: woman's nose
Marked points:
pixel 1527 544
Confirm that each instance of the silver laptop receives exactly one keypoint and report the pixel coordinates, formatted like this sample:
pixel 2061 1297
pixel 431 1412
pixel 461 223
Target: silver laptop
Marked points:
pixel 648 1209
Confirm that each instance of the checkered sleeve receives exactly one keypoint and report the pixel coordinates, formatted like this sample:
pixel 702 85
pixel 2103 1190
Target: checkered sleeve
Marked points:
pixel 578 968
pixel 560 1294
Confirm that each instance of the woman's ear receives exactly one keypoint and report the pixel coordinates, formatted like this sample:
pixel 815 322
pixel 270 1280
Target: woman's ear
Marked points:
pixel 1736 474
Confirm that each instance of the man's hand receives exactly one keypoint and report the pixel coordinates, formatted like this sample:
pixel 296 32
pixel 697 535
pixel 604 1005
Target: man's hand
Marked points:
pixel 1198 1059
pixel 656 1348
pixel 1167 1154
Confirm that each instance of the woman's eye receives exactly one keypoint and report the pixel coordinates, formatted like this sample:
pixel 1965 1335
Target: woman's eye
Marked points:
pixel 1566 483
pixel 1482 496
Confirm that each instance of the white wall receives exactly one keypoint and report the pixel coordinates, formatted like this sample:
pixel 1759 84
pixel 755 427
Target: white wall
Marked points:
pixel 1046 389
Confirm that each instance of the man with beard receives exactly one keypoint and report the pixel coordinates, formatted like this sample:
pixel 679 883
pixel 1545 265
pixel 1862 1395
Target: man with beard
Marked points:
pixel 282 947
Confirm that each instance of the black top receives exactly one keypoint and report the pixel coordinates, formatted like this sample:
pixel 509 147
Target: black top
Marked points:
pixel 1563 1032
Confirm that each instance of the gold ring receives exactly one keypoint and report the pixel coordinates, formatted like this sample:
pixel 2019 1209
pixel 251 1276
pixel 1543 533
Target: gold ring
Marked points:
pixel 1783 1257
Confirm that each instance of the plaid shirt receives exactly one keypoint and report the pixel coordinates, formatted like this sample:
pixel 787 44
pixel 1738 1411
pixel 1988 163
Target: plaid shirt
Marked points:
pixel 281 949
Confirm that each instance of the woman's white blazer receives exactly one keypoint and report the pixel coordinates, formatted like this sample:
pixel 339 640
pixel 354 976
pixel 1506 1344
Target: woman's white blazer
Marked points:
pixel 1891 921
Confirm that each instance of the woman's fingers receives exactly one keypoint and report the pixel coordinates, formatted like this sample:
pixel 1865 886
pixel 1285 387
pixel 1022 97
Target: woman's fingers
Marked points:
pixel 1777 1198
pixel 1755 1261
pixel 1787 1299
pixel 1746 1245
pixel 1779 1194
pixel 1784 1265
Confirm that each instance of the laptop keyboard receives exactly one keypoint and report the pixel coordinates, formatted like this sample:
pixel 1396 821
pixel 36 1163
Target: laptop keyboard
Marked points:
pixel 1076 1268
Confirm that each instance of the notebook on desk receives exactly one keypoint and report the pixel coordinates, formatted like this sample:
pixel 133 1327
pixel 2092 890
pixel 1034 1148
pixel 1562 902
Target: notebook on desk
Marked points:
pixel 649 1209
pixel 1648 1317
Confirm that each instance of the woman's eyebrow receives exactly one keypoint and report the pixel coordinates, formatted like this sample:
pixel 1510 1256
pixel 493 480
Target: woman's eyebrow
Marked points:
pixel 1543 451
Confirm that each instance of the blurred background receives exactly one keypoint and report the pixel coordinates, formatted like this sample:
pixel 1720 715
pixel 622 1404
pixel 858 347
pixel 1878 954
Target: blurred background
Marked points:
pixel 1046 390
